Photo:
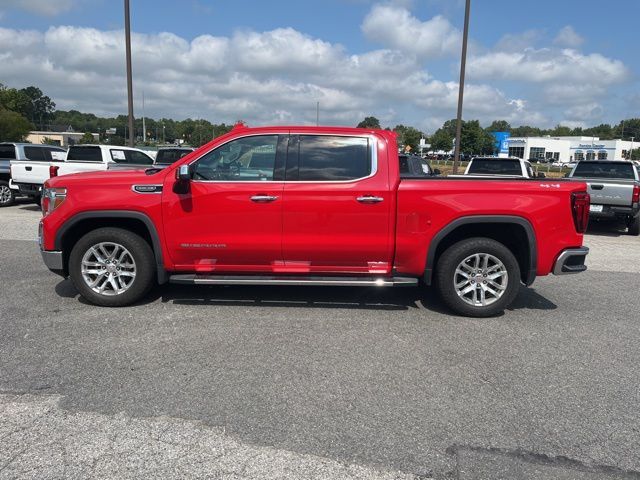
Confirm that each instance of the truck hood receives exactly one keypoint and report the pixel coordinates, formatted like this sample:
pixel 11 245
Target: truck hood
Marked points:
pixel 108 177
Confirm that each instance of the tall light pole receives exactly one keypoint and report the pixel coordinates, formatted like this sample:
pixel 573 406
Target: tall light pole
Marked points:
pixel 317 114
pixel 631 150
pixel 127 38
pixel 463 64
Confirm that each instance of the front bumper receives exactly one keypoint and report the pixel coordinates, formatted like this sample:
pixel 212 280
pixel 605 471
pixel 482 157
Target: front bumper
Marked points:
pixel 53 260
pixel 571 261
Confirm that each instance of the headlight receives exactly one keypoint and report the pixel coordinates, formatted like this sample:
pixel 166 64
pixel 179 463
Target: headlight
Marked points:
pixel 52 198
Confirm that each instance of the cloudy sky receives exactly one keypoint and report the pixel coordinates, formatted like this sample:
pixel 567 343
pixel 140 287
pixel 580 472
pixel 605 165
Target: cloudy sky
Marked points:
pixel 538 63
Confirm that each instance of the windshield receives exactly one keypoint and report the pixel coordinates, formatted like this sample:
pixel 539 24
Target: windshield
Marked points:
pixel 604 170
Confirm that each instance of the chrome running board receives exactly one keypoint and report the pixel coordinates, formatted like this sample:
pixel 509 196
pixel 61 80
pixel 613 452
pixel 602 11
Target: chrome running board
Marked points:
pixel 191 279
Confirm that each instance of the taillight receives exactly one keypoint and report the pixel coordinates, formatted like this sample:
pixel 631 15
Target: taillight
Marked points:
pixel 53 171
pixel 636 194
pixel 580 202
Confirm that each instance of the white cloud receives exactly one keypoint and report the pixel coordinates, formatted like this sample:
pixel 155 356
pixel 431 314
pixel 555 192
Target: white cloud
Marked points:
pixel 395 27
pixel 40 7
pixel 262 77
pixel 568 37
pixel 549 65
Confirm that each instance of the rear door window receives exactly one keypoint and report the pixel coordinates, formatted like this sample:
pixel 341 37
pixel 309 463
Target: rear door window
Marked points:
pixel 333 158
pixel 490 166
pixel 7 152
pixel 85 154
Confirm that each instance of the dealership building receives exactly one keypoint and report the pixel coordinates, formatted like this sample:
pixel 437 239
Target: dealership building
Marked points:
pixel 567 149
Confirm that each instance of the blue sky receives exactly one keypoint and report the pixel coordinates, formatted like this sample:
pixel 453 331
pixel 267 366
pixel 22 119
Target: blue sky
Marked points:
pixel 540 63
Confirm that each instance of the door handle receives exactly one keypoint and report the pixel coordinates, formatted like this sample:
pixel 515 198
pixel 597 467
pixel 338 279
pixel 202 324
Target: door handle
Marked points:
pixel 264 198
pixel 28 169
pixel 597 187
pixel 369 199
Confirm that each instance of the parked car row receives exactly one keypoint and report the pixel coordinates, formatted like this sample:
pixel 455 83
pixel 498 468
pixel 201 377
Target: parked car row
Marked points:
pixel 24 167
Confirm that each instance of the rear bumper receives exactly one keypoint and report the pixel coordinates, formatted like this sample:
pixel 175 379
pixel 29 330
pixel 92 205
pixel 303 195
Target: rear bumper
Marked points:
pixel 571 261
pixel 29 189
pixel 612 212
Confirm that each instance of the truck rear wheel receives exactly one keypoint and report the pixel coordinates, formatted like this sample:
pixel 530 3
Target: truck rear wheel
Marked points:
pixel 112 267
pixel 634 226
pixel 7 196
pixel 477 277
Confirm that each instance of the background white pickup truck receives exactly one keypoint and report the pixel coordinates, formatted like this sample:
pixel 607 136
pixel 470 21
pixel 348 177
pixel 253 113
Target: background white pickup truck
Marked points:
pixel 29 176
pixel 511 167
pixel 32 154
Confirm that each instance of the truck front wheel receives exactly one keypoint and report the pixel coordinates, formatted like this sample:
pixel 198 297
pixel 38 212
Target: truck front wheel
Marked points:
pixel 477 277
pixel 112 267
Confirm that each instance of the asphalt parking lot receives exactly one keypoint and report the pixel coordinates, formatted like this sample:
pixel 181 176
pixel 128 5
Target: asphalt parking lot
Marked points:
pixel 267 382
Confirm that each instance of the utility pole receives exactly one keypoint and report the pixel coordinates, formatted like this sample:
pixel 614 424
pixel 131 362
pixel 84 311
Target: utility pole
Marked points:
pixel 127 37
pixel 144 128
pixel 463 63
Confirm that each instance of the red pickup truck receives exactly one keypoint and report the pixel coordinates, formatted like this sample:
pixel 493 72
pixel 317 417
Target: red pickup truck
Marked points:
pixel 309 206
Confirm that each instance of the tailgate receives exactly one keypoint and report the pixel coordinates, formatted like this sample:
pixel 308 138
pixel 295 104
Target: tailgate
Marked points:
pixel 611 192
pixel 26 171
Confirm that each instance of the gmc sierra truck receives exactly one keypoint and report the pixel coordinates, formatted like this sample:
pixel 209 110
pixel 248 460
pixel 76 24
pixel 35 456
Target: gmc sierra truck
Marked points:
pixel 614 187
pixel 309 206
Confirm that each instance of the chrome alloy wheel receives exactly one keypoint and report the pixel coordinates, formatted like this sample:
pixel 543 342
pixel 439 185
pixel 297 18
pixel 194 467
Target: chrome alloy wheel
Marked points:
pixel 480 279
pixel 5 194
pixel 108 268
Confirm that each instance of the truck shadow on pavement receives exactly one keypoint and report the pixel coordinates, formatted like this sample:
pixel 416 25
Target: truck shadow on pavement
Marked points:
pixel 606 228
pixel 360 298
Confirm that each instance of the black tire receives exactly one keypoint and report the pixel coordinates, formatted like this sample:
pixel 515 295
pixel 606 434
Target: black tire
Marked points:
pixel 445 276
pixel 145 267
pixel 634 226
pixel 7 195
pixel 37 200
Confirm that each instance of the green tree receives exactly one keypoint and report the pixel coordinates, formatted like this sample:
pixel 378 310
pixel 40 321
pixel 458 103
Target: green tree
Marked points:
pixel 13 126
pixel 526 131
pixel 40 107
pixel 628 128
pixel 476 140
pixel 369 122
pixel 499 126
pixel 635 154
pixel 408 136
pixel 441 140
pixel 560 131
pixel 87 138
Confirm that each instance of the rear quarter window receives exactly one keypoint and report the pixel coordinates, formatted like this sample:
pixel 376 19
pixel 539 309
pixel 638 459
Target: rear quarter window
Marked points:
pixel 495 167
pixel 86 154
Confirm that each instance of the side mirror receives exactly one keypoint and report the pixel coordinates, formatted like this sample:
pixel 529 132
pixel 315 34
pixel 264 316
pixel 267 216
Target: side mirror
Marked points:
pixel 183 174
pixel 436 171
pixel 183 180
pixel 541 175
